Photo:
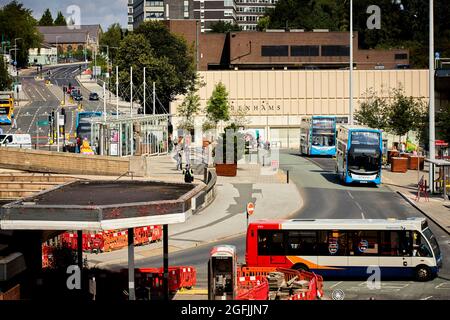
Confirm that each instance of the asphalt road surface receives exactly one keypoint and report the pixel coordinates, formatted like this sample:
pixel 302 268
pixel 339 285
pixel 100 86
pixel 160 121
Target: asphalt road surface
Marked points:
pixel 325 197
pixel 44 99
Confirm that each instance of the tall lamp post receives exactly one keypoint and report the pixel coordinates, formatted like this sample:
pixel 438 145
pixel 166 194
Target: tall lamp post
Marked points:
pixel 57 53
pixel 432 137
pixel 351 65
pixel 15 57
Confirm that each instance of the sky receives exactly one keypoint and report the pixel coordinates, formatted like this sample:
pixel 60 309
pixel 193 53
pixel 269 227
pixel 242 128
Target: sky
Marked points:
pixel 103 12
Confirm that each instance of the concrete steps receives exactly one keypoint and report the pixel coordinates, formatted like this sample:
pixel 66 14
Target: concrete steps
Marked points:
pixel 14 186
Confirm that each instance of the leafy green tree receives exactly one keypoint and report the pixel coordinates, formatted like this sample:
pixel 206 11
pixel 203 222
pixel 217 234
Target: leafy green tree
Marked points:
pixel 5 79
pixel 60 20
pixel 372 112
pixel 18 22
pixel 224 27
pixel 263 23
pixel 111 38
pixel 168 59
pixel 190 107
pixel 218 107
pixel 404 114
pixel 46 19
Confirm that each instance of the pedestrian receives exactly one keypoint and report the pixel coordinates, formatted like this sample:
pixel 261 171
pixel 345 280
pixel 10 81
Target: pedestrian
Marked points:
pixel 188 174
pixel 179 158
pixel 13 122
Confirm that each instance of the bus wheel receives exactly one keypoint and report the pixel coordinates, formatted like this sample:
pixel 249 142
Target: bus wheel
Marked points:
pixel 300 267
pixel 422 273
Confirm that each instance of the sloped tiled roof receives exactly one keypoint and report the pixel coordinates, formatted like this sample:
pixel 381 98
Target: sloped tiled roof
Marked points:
pixel 63 34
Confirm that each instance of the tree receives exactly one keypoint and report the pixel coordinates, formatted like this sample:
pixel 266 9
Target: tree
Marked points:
pixel 218 108
pixel 372 112
pixel 404 114
pixel 46 19
pixel 263 23
pixel 18 22
pixel 189 108
pixel 112 38
pixel 224 27
pixel 60 20
pixel 5 79
pixel 167 57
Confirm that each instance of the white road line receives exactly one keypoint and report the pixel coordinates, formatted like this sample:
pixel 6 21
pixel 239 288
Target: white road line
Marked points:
pixel 359 206
pixel 427 298
pixel 336 284
pixel 350 194
pixel 362 215
pixel 443 286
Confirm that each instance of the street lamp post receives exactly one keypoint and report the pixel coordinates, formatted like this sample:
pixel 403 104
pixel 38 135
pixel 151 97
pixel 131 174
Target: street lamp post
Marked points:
pixel 351 65
pixel 431 89
pixel 57 48
pixel 15 57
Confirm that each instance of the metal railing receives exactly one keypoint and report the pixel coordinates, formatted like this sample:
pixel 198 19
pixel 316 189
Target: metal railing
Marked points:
pixel 128 173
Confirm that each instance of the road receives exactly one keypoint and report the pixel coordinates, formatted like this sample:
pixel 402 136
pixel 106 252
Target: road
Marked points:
pixel 43 99
pixel 325 198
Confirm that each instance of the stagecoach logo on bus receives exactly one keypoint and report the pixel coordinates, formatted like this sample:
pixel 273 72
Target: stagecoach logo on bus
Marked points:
pixel 363 246
pixel 333 246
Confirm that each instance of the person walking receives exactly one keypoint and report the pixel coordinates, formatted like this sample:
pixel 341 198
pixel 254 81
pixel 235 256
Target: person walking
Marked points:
pixel 179 158
pixel 13 122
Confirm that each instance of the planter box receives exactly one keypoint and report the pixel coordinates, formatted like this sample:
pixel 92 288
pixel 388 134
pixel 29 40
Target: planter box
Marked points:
pixel 226 170
pixel 391 154
pixel 399 164
pixel 412 162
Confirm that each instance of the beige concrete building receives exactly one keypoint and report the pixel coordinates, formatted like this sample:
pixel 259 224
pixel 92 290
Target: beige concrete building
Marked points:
pixel 276 101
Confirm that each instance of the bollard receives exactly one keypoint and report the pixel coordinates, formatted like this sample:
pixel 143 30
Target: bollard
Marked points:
pixel 263 164
pixel 287 176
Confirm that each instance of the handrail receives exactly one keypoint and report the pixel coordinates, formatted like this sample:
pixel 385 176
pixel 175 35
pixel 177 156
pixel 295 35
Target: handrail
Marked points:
pixel 125 174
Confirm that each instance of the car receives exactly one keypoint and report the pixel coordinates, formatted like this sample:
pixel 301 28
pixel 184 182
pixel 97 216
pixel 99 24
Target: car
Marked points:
pixel 93 96
pixel 77 97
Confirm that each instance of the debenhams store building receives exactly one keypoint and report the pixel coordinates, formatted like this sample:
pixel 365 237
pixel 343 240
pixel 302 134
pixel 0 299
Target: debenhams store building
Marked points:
pixel 276 101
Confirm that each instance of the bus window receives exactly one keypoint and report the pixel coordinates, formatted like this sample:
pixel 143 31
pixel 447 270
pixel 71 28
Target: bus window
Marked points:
pixel 420 246
pixel 271 243
pixel 301 243
pixel 332 243
pixel 363 243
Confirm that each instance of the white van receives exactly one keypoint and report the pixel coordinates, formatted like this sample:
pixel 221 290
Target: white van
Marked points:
pixel 16 140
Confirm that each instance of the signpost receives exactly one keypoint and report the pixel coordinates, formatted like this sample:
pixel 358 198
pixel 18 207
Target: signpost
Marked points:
pixel 250 210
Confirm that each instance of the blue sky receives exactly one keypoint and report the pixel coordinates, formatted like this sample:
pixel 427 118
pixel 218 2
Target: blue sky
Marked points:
pixel 104 12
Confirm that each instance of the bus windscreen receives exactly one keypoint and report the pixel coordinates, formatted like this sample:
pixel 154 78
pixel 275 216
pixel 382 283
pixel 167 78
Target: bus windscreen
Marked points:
pixel 365 138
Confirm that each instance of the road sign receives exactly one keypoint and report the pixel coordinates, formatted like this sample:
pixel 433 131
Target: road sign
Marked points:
pixel 42 123
pixel 250 208
pixel 61 120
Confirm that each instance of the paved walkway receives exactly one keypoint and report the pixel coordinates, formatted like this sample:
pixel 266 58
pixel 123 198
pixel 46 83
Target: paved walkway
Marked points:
pixel 225 217
pixel 436 209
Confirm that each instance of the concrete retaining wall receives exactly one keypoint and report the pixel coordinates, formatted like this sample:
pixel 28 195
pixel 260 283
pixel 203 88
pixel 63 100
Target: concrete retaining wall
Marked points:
pixel 206 196
pixel 70 163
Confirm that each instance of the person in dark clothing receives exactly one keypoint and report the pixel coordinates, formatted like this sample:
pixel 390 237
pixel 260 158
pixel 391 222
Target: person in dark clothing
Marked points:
pixel 188 174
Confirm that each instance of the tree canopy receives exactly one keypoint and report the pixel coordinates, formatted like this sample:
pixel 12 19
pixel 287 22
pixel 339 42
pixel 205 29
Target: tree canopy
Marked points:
pixel 404 24
pixel 218 108
pixel 5 79
pixel 18 22
pixel 60 20
pixel 111 38
pixel 224 27
pixel 46 19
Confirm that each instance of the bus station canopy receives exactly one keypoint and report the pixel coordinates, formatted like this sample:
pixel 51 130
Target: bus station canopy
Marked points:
pixel 101 205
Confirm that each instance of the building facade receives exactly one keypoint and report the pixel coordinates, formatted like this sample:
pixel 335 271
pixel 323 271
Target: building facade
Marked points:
pixel 145 10
pixel 250 11
pixel 213 11
pixel 130 15
pixel 274 102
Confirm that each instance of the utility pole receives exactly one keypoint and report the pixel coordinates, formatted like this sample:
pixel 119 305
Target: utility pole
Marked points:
pixel 131 89
pixel 432 138
pixel 154 98
pixel 145 89
pixel 15 58
pixel 351 65
pixel 104 101
pixel 117 92
pixel 57 131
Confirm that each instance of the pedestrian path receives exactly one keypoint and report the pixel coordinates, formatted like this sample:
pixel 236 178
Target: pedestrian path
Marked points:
pixel 435 208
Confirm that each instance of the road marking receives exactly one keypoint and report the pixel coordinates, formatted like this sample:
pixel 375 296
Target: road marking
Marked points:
pixel 359 206
pixel 362 215
pixel 443 286
pixel 336 284
pixel 350 194
pixel 427 298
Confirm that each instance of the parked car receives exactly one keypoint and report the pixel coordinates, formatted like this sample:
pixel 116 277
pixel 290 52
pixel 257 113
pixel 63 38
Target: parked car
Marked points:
pixel 77 97
pixel 93 96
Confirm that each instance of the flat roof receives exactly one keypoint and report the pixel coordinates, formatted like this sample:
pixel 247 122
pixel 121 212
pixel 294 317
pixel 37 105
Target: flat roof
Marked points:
pixel 100 193
pixel 101 205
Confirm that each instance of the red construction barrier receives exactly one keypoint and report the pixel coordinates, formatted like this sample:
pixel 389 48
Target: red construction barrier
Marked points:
pixel 252 288
pixel 179 277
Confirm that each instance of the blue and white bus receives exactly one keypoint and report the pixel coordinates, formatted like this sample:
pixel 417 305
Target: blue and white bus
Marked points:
pixel 359 154
pixel 318 136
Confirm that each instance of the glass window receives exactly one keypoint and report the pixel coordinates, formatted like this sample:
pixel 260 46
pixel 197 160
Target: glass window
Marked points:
pixel 420 246
pixel 301 242
pixel 274 51
pixel 335 51
pixel 363 243
pixel 332 243
pixel 304 51
pixel 271 243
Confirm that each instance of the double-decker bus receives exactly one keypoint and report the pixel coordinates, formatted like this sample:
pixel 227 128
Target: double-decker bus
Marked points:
pixel 318 136
pixel 6 107
pixel 83 125
pixel 346 247
pixel 359 154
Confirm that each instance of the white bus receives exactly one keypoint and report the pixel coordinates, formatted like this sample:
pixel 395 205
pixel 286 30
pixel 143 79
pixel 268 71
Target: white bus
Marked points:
pixel 16 140
pixel 346 247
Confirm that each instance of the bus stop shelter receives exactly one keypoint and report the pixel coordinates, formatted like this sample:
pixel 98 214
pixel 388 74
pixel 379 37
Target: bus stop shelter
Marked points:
pixel 101 206
pixel 443 179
